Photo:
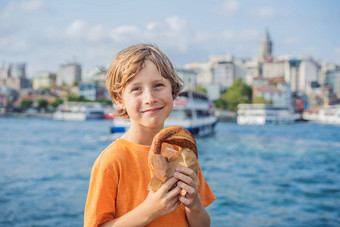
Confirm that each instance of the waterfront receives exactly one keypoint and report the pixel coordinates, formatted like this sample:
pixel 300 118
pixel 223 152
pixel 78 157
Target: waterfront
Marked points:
pixel 270 175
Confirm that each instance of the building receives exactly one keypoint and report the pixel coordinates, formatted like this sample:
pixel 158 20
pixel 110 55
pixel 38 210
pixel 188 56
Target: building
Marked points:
pixel 69 74
pixel 13 75
pixel 203 72
pixel 308 74
pixel 214 91
pixel 95 75
pixel 3 102
pixel 219 69
pixel 266 47
pixel 188 77
pixel 330 76
pixel 280 95
pixel 93 91
pixel 44 80
pixel 223 73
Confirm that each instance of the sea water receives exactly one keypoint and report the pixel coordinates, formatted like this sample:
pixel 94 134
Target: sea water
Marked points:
pixel 271 175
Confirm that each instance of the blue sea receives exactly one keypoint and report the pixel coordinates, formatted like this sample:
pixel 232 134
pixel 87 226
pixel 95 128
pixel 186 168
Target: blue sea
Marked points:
pixel 271 175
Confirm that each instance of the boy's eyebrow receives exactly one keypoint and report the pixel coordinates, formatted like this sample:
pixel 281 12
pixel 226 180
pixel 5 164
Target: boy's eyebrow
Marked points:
pixel 140 82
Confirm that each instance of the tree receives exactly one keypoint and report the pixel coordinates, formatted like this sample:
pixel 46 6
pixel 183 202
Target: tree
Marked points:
pixel 238 93
pixel 259 100
pixel 221 104
pixel 42 104
pixel 76 98
pixel 105 101
pixel 26 103
pixel 57 102
pixel 75 83
pixel 200 89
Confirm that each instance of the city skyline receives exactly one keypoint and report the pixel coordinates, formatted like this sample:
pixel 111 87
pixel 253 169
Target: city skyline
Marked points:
pixel 46 34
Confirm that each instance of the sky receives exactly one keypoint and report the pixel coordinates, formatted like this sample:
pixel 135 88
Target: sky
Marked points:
pixel 45 34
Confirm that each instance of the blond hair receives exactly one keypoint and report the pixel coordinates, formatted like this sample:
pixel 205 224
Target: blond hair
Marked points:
pixel 129 62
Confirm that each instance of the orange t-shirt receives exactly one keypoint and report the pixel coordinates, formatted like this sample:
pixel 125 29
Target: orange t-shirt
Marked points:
pixel 119 181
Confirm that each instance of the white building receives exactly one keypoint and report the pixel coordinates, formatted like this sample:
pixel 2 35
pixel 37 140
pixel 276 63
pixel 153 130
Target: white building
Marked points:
pixel 44 80
pixel 219 69
pixel 203 72
pixel 308 74
pixel 330 75
pixel 223 73
pixel 275 68
pixel 68 74
pixel 13 75
pixel 95 74
pixel 252 67
pixel 188 77
pixel 280 95
pixel 214 91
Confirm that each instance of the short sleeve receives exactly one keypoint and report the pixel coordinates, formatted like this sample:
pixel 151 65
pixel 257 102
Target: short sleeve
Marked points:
pixel 205 192
pixel 100 204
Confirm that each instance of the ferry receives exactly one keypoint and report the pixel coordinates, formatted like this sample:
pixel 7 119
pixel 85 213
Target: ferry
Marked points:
pixel 260 114
pixel 192 110
pixel 79 111
pixel 326 115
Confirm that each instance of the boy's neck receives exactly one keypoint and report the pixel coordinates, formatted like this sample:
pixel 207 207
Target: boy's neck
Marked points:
pixel 141 136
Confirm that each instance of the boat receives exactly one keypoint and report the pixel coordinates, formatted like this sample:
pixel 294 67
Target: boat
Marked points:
pixel 79 111
pixel 192 110
pixel 327 115
pixel 260 114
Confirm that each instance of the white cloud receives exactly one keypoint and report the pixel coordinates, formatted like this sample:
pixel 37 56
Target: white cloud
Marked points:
pixel 229 7
pixel 33 5
pixel 228 34
pixel 250 34
pixel 81 32
pixel 337 50
pixel 96 33
pixel 126 34
pixel 76 29
pixel 264 12
pixel 12 44
pixel 291 40
pixel 176 23
pixel 19 13
pixel 151 26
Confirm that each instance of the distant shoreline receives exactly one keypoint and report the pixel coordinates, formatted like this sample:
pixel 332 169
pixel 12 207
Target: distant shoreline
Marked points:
pixel 35 115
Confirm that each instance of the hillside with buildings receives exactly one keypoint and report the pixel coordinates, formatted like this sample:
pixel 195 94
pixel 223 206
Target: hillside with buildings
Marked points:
pixel 299 82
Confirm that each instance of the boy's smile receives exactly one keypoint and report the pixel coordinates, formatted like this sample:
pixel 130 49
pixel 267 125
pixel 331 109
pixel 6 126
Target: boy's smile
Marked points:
pixel 148 98
pixel 151 111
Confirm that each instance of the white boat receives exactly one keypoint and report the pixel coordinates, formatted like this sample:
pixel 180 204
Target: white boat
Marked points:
pixel 79 111
pixel 260 114
pixel 192 110
pixel 327 115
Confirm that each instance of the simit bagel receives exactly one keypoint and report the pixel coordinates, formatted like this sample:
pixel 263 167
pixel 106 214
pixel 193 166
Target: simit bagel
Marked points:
pixel 162 165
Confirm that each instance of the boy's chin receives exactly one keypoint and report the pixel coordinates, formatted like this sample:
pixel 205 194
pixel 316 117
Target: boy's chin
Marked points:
pixel 154 125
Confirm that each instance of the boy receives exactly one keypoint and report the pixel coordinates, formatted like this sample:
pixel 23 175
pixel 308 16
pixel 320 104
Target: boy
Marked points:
pixel 143 83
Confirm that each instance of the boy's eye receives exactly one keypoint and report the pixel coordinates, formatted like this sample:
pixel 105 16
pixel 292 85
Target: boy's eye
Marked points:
pixel 159 85
pixel 135 89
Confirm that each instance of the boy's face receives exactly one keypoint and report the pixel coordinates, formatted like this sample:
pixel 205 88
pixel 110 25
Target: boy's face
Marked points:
pixel 148 98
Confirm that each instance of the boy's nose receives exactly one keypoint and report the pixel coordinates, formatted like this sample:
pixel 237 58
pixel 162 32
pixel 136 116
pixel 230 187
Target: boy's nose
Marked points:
pixel 149 96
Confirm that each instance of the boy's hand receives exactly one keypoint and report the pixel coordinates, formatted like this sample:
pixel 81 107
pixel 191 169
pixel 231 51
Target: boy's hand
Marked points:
pixel 187 180
pixel 164 201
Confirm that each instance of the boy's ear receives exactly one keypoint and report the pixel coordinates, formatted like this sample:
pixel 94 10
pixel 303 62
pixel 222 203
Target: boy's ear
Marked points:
pixel 119 103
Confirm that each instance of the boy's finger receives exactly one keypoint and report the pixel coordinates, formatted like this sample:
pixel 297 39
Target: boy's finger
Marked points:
pixel 187 171
pixel 185 178
pixel 168 184
pixel 186 187
pixel 174 192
